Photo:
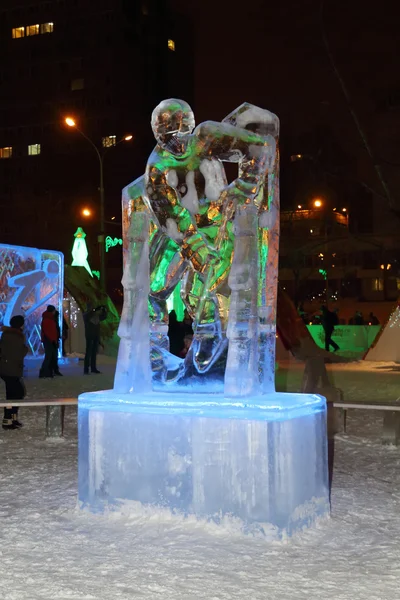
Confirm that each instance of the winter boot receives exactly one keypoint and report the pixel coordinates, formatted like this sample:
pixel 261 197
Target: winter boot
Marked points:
pixel 17 424
pixel 8 424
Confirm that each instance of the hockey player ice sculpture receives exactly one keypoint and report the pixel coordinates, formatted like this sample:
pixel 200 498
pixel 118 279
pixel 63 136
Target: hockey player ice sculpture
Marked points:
pixel 225 443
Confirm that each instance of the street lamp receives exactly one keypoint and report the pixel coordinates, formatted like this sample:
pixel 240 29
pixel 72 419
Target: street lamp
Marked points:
pixel 86 212
pixel 127 138
pixel 317 203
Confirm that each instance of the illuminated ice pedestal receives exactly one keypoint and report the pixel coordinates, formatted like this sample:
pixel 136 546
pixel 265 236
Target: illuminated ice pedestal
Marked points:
pixel 264 463
pixel 205 435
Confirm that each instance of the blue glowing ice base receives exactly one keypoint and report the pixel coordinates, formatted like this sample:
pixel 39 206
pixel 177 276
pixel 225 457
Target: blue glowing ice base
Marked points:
pixel 262 460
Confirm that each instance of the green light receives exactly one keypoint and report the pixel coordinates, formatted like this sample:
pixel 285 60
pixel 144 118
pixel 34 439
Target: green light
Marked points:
pixel 323 272
pixel 112 242
pixel 80 251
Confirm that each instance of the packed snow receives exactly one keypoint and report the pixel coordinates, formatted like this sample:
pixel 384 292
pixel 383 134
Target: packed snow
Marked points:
pixel 50 549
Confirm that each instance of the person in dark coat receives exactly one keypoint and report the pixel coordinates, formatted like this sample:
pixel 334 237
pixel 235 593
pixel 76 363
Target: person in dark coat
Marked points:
pixel 50 342
pixel 13 350
pixel 92 319
pixel 328 321
pixel 64 335
pixel 175 334
pixel 373 319
pixel 55 367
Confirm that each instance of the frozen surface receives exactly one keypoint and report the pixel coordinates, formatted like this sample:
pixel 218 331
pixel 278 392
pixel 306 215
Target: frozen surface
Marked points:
pixel 263 462
pixel 50 550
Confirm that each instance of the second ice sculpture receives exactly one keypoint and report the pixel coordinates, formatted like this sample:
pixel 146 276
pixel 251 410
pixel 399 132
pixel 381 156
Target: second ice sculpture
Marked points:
pixel 206 434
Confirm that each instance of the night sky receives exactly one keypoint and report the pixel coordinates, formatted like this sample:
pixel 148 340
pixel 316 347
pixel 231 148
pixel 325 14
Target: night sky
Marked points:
pixel 272 54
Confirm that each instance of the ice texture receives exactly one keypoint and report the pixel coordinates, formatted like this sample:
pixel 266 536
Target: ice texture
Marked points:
pixel 206 434
pixel 262 463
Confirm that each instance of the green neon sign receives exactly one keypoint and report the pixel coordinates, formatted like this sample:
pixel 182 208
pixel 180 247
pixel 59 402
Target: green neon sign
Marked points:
pixel 111 242
pixel 323 273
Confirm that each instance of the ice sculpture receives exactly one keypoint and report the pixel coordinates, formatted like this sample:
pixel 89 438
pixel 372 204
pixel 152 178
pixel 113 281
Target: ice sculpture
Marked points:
pixel 30 279
pixel 206 434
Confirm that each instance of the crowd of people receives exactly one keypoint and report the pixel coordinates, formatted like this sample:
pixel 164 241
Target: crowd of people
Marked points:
pixel 13 349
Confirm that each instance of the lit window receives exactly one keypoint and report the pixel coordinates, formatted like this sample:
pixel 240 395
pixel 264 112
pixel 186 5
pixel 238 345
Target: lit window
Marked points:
pixel 171 45
pixel 6 152
pixel 18 32
pixel 77 84
pixel 32 30
pixel 377 284
pixel 33 149
pixel 47 28
pixel 109 140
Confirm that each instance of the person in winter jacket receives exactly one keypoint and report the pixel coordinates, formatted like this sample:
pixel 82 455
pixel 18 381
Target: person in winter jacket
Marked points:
pixel 328 321
pixel 92 319
pixel 13 350
pixel 55 368
pixel 49 341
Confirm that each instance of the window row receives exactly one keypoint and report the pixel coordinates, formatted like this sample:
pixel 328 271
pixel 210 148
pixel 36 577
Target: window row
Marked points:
pixel 33 150
pixel 20 32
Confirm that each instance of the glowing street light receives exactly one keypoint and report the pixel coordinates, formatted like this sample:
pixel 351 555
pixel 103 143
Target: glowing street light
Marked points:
pixel 299 206
pixel 317 203
pixel 344 209
pixel 87 212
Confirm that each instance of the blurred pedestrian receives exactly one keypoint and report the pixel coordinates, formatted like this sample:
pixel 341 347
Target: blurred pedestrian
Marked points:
pixel 92 319
pixel 49 336
pixel 55 368
pixel 372 319
pixel 328 321
pixel 13 350
pixel 64 335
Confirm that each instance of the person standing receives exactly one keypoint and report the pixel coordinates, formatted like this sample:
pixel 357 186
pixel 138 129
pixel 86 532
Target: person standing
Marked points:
pixel 13 350
pixel 49 341
pixel 64 335
pixel 55 367
pixel 328 322
pixel 92 319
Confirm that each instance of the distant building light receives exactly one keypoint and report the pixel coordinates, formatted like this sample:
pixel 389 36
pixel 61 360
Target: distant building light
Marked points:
pixel 47 28
pixel 109 140
pixel 334 209
pixel 311 230
pixel 344 209
pixel 295 157
pixel 33 149
pixel 389 266
pixel 171 45
pixel 382 267
pixel 6 152
pixel 299 206
pixel 18 32
pixel 32 30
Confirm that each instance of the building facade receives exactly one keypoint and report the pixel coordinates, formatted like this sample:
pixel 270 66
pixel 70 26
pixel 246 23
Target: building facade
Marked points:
pixel 105 63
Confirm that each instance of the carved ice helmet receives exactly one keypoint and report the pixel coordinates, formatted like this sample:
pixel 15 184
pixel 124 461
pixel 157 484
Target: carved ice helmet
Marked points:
pixel 171 119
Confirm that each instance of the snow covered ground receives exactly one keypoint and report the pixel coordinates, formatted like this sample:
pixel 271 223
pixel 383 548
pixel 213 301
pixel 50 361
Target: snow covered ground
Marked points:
pixel 51 550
